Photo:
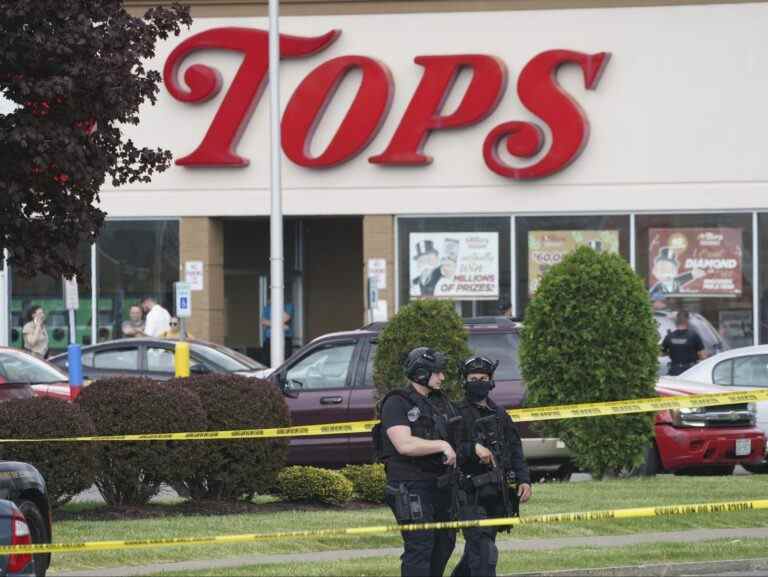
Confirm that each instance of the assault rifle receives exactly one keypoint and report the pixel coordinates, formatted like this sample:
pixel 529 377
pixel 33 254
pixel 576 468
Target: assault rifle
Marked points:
pixel 501 474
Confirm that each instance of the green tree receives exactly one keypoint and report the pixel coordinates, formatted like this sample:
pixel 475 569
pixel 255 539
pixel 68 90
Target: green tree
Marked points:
pixel 421 323
pixel 590 336
pixel 72 75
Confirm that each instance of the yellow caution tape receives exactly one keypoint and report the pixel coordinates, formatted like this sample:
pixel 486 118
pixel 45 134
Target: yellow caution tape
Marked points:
pixel 667 510
pixel 518 415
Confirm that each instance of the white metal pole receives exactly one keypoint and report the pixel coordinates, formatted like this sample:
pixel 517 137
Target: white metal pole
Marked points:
pixel 94 297
pixel 277 341
pixel 755 279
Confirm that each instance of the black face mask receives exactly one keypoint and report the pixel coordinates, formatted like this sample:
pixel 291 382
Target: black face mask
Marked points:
pixel 477 390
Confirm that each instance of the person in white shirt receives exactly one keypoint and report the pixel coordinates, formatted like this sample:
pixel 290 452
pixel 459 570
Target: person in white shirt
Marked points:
pixel 158 320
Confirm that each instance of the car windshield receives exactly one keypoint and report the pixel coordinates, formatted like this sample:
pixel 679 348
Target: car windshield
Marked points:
pixel 21 368
pixel 500 347
pixel 227 359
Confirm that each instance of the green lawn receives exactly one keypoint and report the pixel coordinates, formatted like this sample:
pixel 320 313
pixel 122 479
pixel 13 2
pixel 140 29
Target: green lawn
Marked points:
pixel 548 498
pixel 525 561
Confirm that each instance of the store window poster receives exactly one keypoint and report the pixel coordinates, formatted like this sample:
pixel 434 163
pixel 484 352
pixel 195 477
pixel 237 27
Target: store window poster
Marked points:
pixel 547 248
pixel 457 266
pixel 695 262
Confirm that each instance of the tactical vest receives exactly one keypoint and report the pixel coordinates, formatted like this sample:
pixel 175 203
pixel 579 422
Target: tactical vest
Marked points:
pixel 428 423
pixel 471 414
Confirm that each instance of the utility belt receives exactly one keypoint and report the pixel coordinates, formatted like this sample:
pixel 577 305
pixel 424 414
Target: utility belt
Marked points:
pixel 408 506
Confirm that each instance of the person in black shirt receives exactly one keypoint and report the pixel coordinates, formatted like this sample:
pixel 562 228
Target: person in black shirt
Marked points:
pixel 683 345
pixel 414 443
pixel 490 455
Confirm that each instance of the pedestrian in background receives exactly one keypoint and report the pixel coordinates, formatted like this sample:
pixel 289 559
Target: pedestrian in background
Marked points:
pixel 158 319
pixel 134 326
pixel 35 333
pixel 683 345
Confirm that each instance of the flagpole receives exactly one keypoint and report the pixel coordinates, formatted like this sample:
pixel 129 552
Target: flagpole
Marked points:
pixel 277 341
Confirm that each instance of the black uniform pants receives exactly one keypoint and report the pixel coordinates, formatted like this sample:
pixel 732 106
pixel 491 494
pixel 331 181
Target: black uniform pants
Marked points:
pixel 426 553
pixel 480 552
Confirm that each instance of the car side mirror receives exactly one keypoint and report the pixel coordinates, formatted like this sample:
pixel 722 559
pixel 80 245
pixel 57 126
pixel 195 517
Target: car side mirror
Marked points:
pixel 291 387
pixel 199 369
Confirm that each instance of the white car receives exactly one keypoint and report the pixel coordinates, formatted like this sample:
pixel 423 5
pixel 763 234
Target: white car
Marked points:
pixel 739 369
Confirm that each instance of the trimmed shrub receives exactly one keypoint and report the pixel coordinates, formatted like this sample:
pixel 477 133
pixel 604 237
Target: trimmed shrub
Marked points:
pixel 68 468
pixel 369 481
pixel 590 336
pixel 131 473
pixel 421 323
pixel 236 469
pixel 314 484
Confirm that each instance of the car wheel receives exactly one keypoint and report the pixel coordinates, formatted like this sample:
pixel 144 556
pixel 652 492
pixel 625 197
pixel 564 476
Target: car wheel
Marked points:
pixel 39 530
pixel 650 467
pixel 756 468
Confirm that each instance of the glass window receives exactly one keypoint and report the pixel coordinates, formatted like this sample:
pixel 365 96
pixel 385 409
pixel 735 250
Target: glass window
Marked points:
pixel 160 360
pixel 722 374
pixel 500 347
pixel 368 381
pixel 542 241
pixel 18 368
pixel 751 371
pixel 136 259
pixel 117 360
pixel 762 225
pixel 465 260
pixel 225 359
pixel 47 292
pixel 324 368
pixel 87 360
pixel 701 263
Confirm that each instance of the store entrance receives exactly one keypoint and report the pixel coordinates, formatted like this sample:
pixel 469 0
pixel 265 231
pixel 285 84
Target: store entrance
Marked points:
pixel 323 279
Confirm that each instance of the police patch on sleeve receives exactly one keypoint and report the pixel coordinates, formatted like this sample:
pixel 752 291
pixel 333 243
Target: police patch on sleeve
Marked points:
pixel 414 414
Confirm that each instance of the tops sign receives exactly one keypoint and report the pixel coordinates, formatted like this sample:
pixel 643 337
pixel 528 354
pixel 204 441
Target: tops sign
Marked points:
pixel 537 88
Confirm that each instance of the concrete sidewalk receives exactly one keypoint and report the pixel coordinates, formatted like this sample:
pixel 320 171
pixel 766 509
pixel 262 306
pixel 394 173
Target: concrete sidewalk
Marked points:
pixel 693 536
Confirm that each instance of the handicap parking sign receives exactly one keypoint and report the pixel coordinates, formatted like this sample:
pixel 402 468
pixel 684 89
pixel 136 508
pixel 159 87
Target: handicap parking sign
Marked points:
pixel 183 299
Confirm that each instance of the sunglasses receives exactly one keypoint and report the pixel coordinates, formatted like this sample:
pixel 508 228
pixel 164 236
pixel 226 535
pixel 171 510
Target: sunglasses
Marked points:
pixel 174 324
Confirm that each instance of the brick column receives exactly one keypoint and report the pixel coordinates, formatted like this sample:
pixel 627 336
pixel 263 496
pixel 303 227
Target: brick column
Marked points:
pixel 379 242
pixel 202 238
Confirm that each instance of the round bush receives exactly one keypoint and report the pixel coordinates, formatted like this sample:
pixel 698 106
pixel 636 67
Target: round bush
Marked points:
pixel 314 484
pixel 237 469
pixel 590 336
pixel 421 323
pixel 369 481
pixel 68 468
pixel 131 473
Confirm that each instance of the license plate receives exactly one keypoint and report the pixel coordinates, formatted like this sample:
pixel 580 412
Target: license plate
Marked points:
pixel 743 447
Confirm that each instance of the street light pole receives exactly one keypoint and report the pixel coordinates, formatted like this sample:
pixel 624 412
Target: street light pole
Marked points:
pixel 277 340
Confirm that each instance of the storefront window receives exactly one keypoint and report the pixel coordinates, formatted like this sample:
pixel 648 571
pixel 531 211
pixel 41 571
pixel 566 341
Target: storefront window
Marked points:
pixel 701 263
pixel 47 292
pixel 462 259
pixel 542 241
pixel 135 259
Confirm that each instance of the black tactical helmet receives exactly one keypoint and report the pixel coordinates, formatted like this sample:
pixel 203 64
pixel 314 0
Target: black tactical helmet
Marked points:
pixel 421 363
pixel 478 364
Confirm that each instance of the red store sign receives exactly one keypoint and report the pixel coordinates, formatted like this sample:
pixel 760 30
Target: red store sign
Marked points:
pixel 537 88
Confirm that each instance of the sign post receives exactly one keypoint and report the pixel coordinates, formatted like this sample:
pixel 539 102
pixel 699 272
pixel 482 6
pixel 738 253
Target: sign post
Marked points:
pixel 74 354
pixel 71 303
pixel 183 297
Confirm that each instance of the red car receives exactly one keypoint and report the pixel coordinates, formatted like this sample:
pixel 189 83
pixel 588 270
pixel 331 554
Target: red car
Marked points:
pixel 703 440
pixel 23 375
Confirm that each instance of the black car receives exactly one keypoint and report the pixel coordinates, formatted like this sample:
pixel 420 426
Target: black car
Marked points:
pixel 155 359
pixel 22 484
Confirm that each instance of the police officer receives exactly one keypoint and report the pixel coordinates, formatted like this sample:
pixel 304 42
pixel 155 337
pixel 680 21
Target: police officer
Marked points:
pixel 683 346
pixel 420 461
pixel 490 454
